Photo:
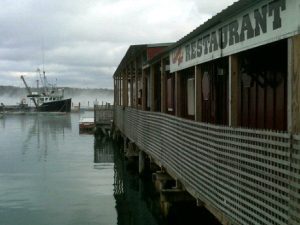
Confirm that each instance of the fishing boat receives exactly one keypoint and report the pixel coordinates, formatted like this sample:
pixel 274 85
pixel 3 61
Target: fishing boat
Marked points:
pixel 49 98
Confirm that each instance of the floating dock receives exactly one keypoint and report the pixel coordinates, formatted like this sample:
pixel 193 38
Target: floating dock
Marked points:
pixel 86 124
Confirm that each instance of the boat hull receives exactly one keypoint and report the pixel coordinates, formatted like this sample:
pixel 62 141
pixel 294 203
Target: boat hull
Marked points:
pixel 56 106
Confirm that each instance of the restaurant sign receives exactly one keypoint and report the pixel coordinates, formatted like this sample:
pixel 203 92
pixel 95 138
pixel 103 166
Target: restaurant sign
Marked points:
pixel 263 23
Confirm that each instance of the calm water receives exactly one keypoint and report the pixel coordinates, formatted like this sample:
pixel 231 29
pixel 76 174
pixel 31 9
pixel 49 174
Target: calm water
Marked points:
pixel 52 175
pixel 48 173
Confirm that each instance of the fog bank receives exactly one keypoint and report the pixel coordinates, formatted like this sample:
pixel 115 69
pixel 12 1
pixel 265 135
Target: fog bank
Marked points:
pixel 10 95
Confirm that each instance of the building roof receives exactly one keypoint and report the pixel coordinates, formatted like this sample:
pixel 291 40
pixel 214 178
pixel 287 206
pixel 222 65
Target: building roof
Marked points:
pixel 132 51
pixel 135 50
pixel 220 17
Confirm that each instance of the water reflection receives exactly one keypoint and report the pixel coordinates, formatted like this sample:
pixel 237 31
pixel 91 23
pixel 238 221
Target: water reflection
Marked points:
pixel 47 173
pixel 138 203
pixel 44 128
pixel 135 203
pixel 2 122
pixel 104 152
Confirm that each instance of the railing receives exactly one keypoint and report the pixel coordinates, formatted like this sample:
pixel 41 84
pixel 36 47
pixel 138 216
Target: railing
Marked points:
pixel 251 176
pixel 103 114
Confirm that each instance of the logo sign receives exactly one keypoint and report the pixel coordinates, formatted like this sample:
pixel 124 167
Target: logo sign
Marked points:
pixel 177 56
pixel 263 23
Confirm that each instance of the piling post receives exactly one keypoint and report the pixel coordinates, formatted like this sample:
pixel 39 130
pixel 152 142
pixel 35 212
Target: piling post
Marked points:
pixel 124 144
pixel 141 162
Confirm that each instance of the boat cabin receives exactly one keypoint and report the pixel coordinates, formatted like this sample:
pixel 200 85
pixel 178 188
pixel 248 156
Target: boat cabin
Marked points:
pixel 49 98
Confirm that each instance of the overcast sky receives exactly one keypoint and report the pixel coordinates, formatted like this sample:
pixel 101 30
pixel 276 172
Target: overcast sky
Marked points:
pixel 83 41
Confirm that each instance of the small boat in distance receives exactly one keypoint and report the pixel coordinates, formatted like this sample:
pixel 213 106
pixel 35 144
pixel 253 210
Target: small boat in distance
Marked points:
pixel 49 98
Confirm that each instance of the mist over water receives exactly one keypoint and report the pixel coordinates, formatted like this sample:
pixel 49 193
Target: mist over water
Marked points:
pixel 86 97
pixel 89 99
pixel 10 100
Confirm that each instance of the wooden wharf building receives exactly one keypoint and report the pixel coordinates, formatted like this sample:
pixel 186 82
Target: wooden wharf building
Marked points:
pixel 219 110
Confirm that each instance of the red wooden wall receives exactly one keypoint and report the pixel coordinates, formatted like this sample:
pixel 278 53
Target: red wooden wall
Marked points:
pixel 215 108
pixel 152 51
pixel 263 98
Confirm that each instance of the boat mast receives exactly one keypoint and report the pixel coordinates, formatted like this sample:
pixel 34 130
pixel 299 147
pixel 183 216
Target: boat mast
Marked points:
pixel 43 81
pixel 43 77
pixel 29 90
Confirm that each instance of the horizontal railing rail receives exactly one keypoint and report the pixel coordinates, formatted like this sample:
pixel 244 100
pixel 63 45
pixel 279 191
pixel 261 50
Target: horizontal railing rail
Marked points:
pixel 252 176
